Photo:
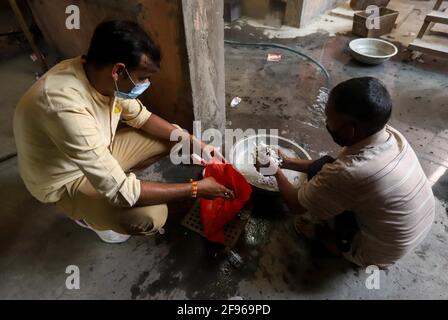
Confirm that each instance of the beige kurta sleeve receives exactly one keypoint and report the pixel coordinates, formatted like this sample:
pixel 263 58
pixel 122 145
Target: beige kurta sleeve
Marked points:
pixel 326 194
pixel 75 133
pixel 133 112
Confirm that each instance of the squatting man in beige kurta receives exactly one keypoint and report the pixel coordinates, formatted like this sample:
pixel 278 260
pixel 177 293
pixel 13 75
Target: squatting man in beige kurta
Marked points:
pixel 70 152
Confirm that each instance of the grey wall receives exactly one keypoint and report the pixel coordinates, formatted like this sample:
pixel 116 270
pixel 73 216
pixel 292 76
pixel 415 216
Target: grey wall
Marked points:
pixel 312 8
pixel 298 13
pixel 174 94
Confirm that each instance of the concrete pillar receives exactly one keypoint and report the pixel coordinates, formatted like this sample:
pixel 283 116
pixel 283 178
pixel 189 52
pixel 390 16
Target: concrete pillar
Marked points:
pixel 204 33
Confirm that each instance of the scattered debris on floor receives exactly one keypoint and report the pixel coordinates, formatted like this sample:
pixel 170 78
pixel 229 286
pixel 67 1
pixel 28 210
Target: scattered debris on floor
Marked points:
pixel 235 101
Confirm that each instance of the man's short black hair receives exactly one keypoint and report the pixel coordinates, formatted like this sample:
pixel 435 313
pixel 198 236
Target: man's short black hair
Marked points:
pixel 121 41
pixel 366 100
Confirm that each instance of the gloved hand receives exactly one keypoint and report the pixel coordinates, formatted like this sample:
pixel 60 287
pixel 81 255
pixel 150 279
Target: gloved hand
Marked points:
pixel 267 160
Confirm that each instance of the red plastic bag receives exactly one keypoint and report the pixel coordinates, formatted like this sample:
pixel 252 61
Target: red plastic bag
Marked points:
pixel 216 214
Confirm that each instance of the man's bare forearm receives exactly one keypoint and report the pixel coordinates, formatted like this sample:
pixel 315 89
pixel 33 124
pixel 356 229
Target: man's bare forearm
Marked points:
pixel 157 193
pixel 300 165
pixel 289 193
pixel 158 127
pixel 153 193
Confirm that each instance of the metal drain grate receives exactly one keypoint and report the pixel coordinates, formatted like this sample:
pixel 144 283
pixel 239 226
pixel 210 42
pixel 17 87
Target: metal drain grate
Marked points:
pixel 232 231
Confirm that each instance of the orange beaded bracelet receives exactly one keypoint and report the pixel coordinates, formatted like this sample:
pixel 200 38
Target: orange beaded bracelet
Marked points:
pixel 194 188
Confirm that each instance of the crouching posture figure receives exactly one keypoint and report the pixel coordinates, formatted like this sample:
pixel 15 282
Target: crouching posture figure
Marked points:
pixel 71 154
pixel 375 197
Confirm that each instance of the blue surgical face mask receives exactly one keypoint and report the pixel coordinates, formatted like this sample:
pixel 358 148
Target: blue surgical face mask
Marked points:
pixel 138 89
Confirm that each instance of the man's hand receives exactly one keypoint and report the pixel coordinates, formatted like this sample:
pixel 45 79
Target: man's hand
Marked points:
pixel 209 152
pixel 209 189
pixel 283 158
pixel 295 164
pixel 289 193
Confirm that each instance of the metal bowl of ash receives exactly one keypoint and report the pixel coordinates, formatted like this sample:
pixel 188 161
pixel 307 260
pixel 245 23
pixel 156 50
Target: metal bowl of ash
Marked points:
pixel 243 157
pixel 372 51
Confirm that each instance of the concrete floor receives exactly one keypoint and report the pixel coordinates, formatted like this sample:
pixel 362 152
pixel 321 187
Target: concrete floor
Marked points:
pixel 37 242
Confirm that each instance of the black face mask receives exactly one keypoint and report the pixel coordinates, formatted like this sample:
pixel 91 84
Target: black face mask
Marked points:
pixel 335 137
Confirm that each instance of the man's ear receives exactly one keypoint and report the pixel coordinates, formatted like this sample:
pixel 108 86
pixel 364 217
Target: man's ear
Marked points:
pixel 348 132
pixel 118 71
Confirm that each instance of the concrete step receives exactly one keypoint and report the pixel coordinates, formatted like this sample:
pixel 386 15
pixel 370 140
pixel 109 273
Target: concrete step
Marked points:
pixel 435 49
pixel 437 17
